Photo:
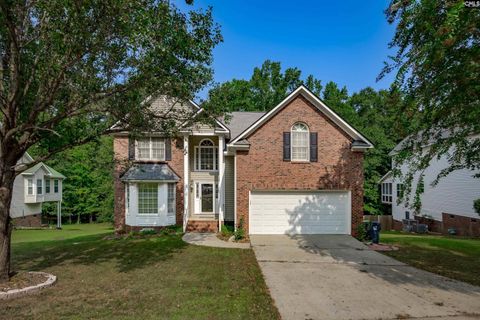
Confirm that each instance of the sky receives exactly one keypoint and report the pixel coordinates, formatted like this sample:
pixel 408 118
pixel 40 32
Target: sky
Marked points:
pixel 345 41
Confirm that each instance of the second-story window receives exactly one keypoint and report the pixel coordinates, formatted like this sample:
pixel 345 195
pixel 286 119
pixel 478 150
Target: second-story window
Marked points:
pixel 300 142
pixel 206 156
pixel 151 149
pixel 47 185
pixel 55 185
pixel 30 186
pixel 39 186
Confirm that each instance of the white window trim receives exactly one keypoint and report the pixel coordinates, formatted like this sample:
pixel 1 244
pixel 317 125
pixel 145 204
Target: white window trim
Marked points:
pixel 30 182
pixel 387 192
pixel 138 201
pixel 197 157
pixel 172 213
pixel 150 158
pixel 308 143
pixel 38 185
pixel 48 183
pixel 56 186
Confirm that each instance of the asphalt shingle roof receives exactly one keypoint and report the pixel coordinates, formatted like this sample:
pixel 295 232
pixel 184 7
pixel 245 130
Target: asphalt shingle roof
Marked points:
pixel 240 121
pixel 150 172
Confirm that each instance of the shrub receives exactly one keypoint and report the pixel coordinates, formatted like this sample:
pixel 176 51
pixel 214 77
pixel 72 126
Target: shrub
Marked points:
pixel 240 232
pixel 226 231
pixel 362 233
pixel 476 206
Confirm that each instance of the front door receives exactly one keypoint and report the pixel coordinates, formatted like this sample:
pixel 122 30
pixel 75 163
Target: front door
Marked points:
pixel 207 197
pixel 204 197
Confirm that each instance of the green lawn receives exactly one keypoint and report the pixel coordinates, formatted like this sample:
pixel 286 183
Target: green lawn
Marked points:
pixel 68 231
pixel 160 277
pixel 453 257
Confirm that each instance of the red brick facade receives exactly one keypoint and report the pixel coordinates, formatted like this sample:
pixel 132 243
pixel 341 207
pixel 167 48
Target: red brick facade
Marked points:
pixel 262 166
pixel 120 148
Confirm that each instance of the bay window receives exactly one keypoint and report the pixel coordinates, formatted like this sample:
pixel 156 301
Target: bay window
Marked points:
pixel 147 198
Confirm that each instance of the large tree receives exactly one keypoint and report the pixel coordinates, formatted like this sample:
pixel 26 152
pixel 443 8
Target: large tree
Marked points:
pixel 70 70
pixel 437 65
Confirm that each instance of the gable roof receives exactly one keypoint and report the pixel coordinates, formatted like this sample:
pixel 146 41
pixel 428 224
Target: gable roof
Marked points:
pixel 240 121
pixel 52 173
pixel 385 176
pixel 199 111
pixel 362 142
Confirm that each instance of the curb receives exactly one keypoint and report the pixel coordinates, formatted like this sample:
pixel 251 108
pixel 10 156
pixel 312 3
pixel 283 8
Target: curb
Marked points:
pixel 16 293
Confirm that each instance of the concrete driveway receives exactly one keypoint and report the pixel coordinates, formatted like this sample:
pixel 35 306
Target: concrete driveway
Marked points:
pixel 337 277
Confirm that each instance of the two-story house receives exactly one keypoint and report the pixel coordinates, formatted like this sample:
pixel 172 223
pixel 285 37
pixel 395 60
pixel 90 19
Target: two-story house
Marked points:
pixel 445 207
pixel 297 169
pixel 31 189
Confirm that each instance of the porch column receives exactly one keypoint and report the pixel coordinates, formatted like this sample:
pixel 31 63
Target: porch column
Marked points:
pixel 186 164
pixel 221 181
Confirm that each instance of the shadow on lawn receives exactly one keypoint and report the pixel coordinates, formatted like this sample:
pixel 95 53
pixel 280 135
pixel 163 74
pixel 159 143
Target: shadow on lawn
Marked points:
pixel 127 254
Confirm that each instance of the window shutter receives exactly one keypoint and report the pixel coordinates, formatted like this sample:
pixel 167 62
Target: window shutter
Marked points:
pixel 131 148
pixel 313 146
pixel 286 146
pixel 168 149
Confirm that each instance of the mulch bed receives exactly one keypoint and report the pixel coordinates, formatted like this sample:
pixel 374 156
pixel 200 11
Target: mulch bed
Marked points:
pixel 22 280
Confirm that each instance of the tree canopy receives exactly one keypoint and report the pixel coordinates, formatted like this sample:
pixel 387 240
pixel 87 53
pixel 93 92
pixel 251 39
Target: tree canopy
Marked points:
pixel 437 65
pixel 71 70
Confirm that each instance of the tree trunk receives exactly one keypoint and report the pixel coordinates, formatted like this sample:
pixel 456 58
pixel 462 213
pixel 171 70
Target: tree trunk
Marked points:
pixel 6 186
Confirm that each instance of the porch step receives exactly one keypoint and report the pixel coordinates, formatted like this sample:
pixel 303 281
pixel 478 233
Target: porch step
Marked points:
pixel 202 226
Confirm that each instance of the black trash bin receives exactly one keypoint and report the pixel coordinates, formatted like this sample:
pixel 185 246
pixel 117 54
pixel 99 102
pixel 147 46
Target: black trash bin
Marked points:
pixel 375 231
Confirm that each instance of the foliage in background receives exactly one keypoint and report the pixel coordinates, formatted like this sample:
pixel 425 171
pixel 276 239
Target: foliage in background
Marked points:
pixel 372 112
pixel 437 66
pixel 88 189
pixel 476 206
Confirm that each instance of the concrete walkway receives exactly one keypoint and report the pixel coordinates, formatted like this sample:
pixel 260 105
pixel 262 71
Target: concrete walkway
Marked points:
pixel 337 277
pixel 211 240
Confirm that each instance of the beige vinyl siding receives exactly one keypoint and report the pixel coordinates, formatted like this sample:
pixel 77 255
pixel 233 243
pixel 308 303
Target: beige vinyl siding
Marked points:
pixel 229 188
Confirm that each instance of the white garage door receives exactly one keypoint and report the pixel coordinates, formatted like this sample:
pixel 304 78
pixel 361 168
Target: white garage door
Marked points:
pixel 292 212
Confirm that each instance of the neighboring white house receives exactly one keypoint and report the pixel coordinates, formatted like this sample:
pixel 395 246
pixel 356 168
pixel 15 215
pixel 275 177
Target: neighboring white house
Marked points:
pixel 447 205
pixel 31 189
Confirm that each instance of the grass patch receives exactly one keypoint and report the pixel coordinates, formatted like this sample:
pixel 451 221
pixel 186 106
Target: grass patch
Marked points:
pixel 156 277
pixel 68 231
pixel 453 257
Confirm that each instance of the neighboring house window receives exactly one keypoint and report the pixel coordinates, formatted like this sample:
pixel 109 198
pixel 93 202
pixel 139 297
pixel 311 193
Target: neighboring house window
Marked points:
pixel 206 156
pixel 55 185
pixel 47 185
pixel 386 192
pixel 30 186
pixel 39 186
pixel 147 198
pixel 216 191
pixel 171 198
pixel 151 149
pixel 399 190
pixel 300 143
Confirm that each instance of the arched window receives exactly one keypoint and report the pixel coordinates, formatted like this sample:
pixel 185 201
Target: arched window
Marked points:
pixel 206 158
pixel 300 142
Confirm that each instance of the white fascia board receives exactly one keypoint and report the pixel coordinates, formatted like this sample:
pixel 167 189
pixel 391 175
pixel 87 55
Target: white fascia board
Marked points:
pixel 316 102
